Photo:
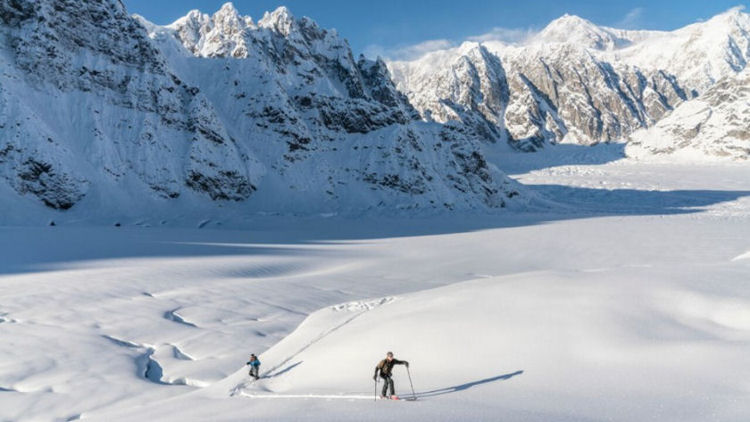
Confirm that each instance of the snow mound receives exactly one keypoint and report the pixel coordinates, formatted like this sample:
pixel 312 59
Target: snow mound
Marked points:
pixel 516 337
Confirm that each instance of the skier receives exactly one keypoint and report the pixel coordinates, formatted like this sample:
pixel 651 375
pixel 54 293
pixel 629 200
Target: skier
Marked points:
pixel 254 366
pixel 385 367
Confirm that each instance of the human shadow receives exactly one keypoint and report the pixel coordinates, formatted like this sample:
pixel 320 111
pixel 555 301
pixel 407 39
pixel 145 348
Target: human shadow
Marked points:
pixel 466 386
pixel 284 371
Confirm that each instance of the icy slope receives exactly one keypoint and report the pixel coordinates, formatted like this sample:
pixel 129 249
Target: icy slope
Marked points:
pixel 716 125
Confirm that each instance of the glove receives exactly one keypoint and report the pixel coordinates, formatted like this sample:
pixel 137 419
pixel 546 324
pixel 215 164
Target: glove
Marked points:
pixel 374 377
pixel 407 364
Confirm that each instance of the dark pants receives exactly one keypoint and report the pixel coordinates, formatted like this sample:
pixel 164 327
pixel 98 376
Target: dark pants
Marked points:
pixel 388 383
pixel 254 371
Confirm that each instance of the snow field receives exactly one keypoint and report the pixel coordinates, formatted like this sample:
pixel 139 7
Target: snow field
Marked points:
pixel 634 308
pixel 604 344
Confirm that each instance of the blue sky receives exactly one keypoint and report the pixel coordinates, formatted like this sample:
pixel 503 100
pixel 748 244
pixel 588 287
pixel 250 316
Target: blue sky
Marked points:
pixel 399 27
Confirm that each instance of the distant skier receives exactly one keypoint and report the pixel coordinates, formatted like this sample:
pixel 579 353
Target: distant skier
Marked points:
pixel 254 366
pixel 385 368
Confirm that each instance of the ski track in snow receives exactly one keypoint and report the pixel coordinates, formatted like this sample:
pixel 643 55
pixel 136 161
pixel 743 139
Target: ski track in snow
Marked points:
pixel 308 396
pixel 359 307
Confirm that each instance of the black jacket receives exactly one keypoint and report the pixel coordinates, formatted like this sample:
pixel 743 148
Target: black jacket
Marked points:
pixel 386 368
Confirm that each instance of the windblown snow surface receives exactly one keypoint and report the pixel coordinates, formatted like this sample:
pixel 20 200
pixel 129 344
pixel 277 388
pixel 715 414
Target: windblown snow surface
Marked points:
pixel 627 302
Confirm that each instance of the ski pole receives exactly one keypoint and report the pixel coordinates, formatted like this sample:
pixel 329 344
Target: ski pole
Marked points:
pixel 376 389
pixel 413 394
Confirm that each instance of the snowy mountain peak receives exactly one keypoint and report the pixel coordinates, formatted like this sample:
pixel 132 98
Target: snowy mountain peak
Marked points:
pixel 569 21
pixel 280 20
pixel 228 9
pixel 214 36
pixel 575 81
pixel 467 47
pixel 229 17
pixel 737 12
pixel 731 20
pixel 476 50
pixel 723 23
pixel 572 29
pixel 193 17
pixel 698 54
pixel 226 33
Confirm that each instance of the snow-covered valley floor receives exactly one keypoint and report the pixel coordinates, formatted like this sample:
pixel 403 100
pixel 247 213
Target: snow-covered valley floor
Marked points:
pixel 629 302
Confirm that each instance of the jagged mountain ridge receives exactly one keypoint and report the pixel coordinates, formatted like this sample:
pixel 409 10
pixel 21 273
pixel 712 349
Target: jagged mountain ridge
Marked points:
pixel 339 121
pixel 574 81
pixel 278 117
pixel 531 97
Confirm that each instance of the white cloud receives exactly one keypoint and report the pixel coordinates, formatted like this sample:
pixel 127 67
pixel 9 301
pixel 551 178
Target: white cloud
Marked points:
pixel 506 35
pixel 408 52
pixel 415 51
pixel 632 20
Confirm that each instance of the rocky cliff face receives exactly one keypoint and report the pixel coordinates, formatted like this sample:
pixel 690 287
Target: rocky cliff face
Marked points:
pixel 326 123
pixel 574 81
pixel 79 108
pixel 532 96
pixel 100 107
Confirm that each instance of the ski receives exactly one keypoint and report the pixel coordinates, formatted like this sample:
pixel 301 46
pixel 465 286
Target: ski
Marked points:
pixel 412 398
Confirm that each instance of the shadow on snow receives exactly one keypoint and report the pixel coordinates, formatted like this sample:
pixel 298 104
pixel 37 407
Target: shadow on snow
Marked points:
pixel 34 249
pixel 611 202
pixel 468 385
pixel 283 371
